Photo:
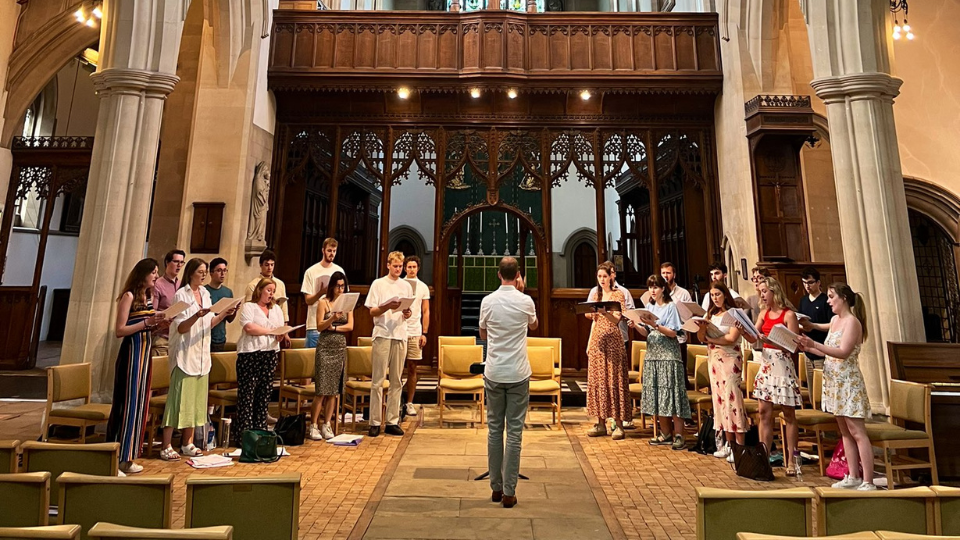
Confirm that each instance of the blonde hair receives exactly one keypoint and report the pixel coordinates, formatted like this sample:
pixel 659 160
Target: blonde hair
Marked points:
pixel 258 290
pixel 395 256
pixel 779 298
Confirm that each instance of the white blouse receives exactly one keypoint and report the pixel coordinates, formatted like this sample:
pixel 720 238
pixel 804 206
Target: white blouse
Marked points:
pixel 251 313
pixel 191 351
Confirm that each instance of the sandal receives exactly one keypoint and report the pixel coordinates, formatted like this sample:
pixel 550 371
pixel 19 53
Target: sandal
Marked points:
pixel 190 450
pixel 169 454
pixel 661 439
pixel 599 430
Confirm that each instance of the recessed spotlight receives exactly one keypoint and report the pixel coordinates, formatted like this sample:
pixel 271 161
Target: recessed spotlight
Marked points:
pixel 97 13
pixel 403 92
pixel 474 93
pixel 585 95
pixel 512 93
pixel 90 23
pixel 79 16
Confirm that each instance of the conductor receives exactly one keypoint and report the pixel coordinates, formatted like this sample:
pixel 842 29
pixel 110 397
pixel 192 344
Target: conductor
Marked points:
pixel 505 315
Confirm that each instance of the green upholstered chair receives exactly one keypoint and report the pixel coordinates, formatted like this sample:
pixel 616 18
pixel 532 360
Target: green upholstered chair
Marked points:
pixel 854 536
pixel 100 459
pixel 67 383
pixel 24 499
pixel 843 511
pixel 909 402
pixel 947 510
pixel 110 530
pixel 889 535
pixel 722 513
pixel 53 532
pixel 256 507
pixel 8 456
pixel 136 501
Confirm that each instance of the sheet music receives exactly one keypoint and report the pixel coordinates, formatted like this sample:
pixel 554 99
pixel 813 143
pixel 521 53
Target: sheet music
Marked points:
pixel 225 304
pixel 737 315
pixel 284 330
pixel 592 307
pixel 279 300
pixel 405 302
pixel 345 303
pixel 692 325
pixel 175 309
pixel 322 283
pixel 689 309
pixel 640 316
pixel 781 336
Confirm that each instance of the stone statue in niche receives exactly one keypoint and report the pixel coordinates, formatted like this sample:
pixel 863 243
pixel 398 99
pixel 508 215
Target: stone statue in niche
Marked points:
pixel 259 204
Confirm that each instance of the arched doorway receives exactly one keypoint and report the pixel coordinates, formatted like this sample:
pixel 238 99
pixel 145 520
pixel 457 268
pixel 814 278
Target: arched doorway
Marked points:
pixel 584 265
pixel 936 263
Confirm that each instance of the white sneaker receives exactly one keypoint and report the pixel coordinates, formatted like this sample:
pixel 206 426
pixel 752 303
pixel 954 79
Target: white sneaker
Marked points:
pixel 848 482
pixel 867 486
pixel 130 467
pixel 411 410
pixel 722 452
pixel 314 433
pixel 270 419
pixel 326 431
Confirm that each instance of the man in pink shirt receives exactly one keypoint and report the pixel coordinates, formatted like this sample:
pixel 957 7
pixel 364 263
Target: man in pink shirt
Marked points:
pixel 163 291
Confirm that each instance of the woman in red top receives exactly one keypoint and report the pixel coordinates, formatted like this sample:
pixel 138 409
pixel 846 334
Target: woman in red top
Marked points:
pixel 776 382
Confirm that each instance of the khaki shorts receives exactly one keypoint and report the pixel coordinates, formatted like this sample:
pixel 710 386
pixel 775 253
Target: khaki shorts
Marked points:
pixel 413 348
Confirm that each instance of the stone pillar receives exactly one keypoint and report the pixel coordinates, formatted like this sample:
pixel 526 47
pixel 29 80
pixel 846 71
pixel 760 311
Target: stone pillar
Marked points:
pixel 850 47
pixel 139 43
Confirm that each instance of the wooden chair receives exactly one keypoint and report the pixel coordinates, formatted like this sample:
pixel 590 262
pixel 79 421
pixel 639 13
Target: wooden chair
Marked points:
pixel 452 340
pixel 750 405
pixel 70 382
pixel 693 351
pixel 298 343
pixel 889 535
pixel 637 348
pixel 909 402
pixel 135 501
pixel 813 419
pixel 99 459
pixel 230 346
pixel 554 343
pixel 24 499
pixel 843 511
pixel 544 381
pixel 802 378
pixel 947 510
pixel 356 390
pixel 722 513
pixel 855 536
pixel 8 456
pixel 52 532
pixel 639 352
pixel 455 377
pixel 296 376
pixel 257 507
pixel 109 530
pixel 700 398
pixel 159 386
pixel 223 384
pixel 364 341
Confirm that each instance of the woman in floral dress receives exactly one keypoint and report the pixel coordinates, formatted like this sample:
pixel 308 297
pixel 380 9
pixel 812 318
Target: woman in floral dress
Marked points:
pixel 844 392
pixel 608 384
pixel 726 371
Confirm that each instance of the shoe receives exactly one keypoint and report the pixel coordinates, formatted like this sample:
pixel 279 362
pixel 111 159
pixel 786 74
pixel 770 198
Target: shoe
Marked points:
pixel 730 458
pixel 374 431
pixel 678 443
pixel 169 454
pixel 411 409
pixel 496 496
pixel 599 430
pixel 190 451
pixel 129 467
pixel 327 432
pixel 660 440
pixel 722 452
pixel 509 501
pixel 121 474
pixel 270 419
pixel 393 429
pixel 848 482
pixel 867 486
pixel 314 434
pixel 618 434
pixel 629 425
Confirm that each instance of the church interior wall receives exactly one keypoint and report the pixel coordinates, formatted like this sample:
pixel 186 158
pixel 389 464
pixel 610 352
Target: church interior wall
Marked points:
pixel 265 104
pixel 9 13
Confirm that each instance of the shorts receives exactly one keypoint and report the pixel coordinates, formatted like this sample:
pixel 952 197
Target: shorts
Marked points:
pixel 413 348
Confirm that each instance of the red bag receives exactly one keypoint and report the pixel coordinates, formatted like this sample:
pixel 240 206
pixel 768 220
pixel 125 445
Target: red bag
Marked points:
pixel 839 467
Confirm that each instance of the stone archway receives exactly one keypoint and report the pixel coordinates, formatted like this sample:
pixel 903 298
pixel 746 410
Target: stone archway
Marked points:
pixel 570 245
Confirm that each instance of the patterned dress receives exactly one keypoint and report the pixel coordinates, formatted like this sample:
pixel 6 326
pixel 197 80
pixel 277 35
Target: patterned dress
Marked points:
pixel 330 359
pixel 777 380
pixel 131 387
pixel 726 371
pixel 844 392
pixel 664 374
pixel 608 384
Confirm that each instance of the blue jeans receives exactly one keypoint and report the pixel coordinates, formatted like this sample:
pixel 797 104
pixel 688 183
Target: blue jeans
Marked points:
pixel 312 337
pixel 506 403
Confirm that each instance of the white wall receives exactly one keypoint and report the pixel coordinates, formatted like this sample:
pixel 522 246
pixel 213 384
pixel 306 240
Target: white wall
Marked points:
pixel 574 207
pixel 412 204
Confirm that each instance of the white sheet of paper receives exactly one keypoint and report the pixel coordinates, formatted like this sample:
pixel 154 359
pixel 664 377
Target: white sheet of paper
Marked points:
pixel 733 316
pixel 225 304
pixel 801 316
pixel 322 283
pixel 345 303
pixel 345 438
pixel 690 309
pixel 637 315
pixel 284 330
pixel 280 300
pixel 175 309
pixel 236 453
pixel 692 325
pixel 782 336
pixel 405 302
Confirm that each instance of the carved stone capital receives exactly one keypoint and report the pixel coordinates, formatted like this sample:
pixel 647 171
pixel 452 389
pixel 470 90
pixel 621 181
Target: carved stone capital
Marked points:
pixel 125 80
pixel 857 86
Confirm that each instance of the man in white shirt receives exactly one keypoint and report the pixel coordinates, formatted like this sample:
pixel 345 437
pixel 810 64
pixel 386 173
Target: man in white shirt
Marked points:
pixel 314 286
pixel 417 326
pixel 505 315
pixel 718 272
pixel 268 261
pixel 389 343
pixel 677 294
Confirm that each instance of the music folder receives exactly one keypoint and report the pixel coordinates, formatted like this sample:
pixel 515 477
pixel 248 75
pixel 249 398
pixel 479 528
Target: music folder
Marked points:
pixel 593 307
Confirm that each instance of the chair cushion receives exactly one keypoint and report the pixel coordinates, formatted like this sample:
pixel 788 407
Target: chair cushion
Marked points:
pixel 308 390
pixel 354 384
pixel 557 371
pixel 698 397
pixel 810 417
pixel 90 411
pixel 462 385
pixel 636 389
pixel 544 387
pixel 229 394
pixel 891 432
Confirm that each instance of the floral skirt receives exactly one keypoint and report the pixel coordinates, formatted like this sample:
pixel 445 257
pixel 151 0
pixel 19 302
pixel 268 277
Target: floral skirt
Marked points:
pixel 726 371
pixel 777 380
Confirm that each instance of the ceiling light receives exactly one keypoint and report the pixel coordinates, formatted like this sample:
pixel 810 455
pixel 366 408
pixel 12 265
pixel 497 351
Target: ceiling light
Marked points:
pixel 403 92
pixel 474 93
pixel 910 35
pixel 90 23
pixel 512 93
pixel 585 95
pixel 79 16
pixel 97 13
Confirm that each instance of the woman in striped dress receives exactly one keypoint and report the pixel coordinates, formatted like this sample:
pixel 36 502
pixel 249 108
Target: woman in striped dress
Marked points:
pixel 131 386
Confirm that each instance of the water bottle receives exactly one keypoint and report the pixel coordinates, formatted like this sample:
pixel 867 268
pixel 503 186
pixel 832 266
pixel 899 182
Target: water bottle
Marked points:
pixel 225 440
pixel 796 465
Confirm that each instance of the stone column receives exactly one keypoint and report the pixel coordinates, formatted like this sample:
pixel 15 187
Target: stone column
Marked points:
pixel 850 46
pixel 139 43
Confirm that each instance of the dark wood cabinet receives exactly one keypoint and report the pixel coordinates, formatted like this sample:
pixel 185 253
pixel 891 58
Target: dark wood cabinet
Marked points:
pixel 207 227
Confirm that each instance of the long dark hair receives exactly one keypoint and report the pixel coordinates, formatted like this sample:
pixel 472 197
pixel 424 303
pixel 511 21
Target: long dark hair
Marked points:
pixel 855 301
pixel 188 271
pixel 332 284
pixel 657 280
pixel 134 283
pixel 728 302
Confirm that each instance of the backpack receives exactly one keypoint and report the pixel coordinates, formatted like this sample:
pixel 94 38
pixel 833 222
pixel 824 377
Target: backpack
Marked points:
pixel 706 438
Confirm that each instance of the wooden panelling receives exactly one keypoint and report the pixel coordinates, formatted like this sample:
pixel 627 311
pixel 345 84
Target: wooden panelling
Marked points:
pixel 789 275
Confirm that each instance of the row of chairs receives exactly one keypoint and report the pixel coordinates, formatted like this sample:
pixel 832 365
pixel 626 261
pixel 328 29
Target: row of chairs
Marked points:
pixel 879 535
pixel 114 531
pixel 723 513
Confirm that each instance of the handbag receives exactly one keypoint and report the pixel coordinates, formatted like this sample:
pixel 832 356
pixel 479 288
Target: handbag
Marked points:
pixel 839 466
pixel 292 430
pixel 258 446
pixel 752 461
pixel 706 438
